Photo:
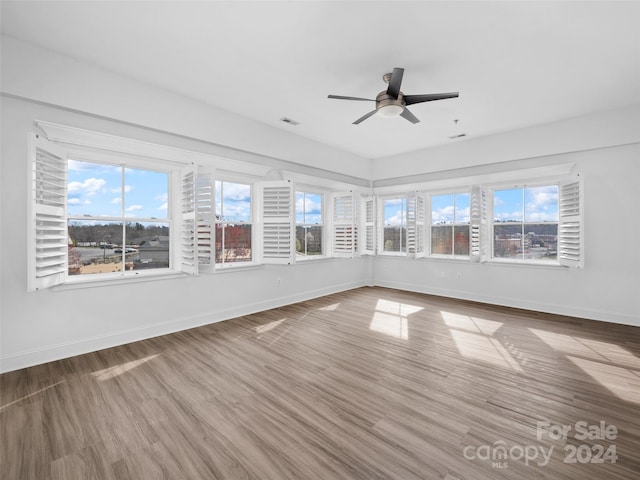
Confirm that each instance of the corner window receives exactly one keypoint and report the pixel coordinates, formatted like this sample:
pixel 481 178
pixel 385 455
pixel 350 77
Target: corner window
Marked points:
pixel 309 224
pixel 233 223
pixel 525 223
pixel 450 224
pixel 117 218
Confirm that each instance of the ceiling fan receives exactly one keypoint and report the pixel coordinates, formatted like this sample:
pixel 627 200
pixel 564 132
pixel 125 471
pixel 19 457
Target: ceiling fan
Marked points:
pixel 392 102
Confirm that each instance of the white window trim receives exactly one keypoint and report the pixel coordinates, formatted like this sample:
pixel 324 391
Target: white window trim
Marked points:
pixel 314 191
pixel 244 180
pixel 491 221
pixel 442 256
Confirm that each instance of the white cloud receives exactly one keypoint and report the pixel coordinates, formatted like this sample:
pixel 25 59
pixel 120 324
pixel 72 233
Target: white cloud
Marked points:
pixel 117 200
pixel 134 208
pixel 89 187
pixel 127 188
pixel 164 206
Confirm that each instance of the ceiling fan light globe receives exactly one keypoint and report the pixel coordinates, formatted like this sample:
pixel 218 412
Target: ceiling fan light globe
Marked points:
pixel 390 110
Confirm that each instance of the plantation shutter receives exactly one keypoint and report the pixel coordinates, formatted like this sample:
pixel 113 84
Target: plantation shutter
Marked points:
pixel 344 233
pixel 570 238
pixel 278 229
pixel 416 225
pixel 369 226
pixel 188 242
pixel 197 222
pixel 479 248
pixel 49 234
pixel 205 220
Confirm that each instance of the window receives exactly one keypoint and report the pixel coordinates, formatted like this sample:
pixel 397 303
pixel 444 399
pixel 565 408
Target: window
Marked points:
pixel 117 218
pixel 233 222
pixel 394 233
pixel 450 224
pixel 98 214
pixel 309 229
pixel 525 223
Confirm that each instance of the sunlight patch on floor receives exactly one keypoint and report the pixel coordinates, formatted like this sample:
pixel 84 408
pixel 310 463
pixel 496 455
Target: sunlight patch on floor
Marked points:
pixel 471 324
pixel 621 382
pixel 112 372
pixel 484 349
pixel 392 318
pixel 269 326
pixel 330 308
pixel 584 347
pixel 42 390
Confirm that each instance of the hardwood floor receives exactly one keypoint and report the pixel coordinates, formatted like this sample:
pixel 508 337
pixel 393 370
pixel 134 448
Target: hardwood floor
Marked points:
pixel 367 384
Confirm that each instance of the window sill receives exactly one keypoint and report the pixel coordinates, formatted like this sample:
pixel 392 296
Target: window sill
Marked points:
pixel 107 279
pixel 520 263
pixel 236 267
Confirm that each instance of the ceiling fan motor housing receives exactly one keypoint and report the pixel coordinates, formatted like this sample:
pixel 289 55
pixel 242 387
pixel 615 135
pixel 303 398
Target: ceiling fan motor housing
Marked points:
pixel 389 106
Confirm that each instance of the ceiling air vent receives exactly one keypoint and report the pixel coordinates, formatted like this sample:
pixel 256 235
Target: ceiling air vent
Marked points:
pixel 289 121
pixel 459 135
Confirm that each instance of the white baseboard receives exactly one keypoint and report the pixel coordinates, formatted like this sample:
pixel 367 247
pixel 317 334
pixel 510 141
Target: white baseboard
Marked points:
pixel 568 310
pixel 64 350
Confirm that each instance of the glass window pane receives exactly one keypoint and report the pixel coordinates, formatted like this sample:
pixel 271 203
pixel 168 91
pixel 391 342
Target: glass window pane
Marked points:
pixel 441 240
pixel 393 239
pixel 233 202
pixel 507 205
pixel 146 193
pixel 461 238
pixel 94 247
pixel 541 204
pixel 148 244
pixel 233 243
pixel 442 209
pixel 540 241
pixel 94 189
pixel 463 208
pixel 394 211
pixel 309 240
pixel 507 241
pixel 308 208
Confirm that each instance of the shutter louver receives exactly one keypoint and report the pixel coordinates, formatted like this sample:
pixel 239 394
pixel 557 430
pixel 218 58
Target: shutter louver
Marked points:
pixel 197 234
pixel 188 243
pixel 570 239
pixel 416 225
pixel 205 220
pixel 278 231
pixel 49 237
pixel 345 241
pixel 369 226
pixel 479 222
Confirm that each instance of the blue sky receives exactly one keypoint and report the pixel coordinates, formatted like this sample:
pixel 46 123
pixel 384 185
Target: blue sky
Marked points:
pixel 533 204
pixel 308 208
pixel 96 190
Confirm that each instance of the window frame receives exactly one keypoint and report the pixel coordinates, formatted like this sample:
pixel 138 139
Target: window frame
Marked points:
pixel 242 180
pixel 452 256
pixel 304 189
pixel 491 223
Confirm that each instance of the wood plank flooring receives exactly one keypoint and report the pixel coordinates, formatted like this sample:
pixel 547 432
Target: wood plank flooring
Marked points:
pixel 371 383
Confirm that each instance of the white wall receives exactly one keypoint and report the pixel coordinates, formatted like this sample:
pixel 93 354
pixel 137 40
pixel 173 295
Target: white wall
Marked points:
pixel 56 323
pixel 33 73
pixel 607 289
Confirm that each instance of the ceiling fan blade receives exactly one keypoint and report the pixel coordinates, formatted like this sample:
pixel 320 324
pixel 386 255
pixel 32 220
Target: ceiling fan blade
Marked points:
pixel 430 97
pixel 340 97
pixel 364 117
pixel 409 116
pixel 394 83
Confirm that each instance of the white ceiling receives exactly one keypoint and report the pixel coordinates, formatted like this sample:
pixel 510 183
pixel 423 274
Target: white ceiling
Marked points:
pixel 515 64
